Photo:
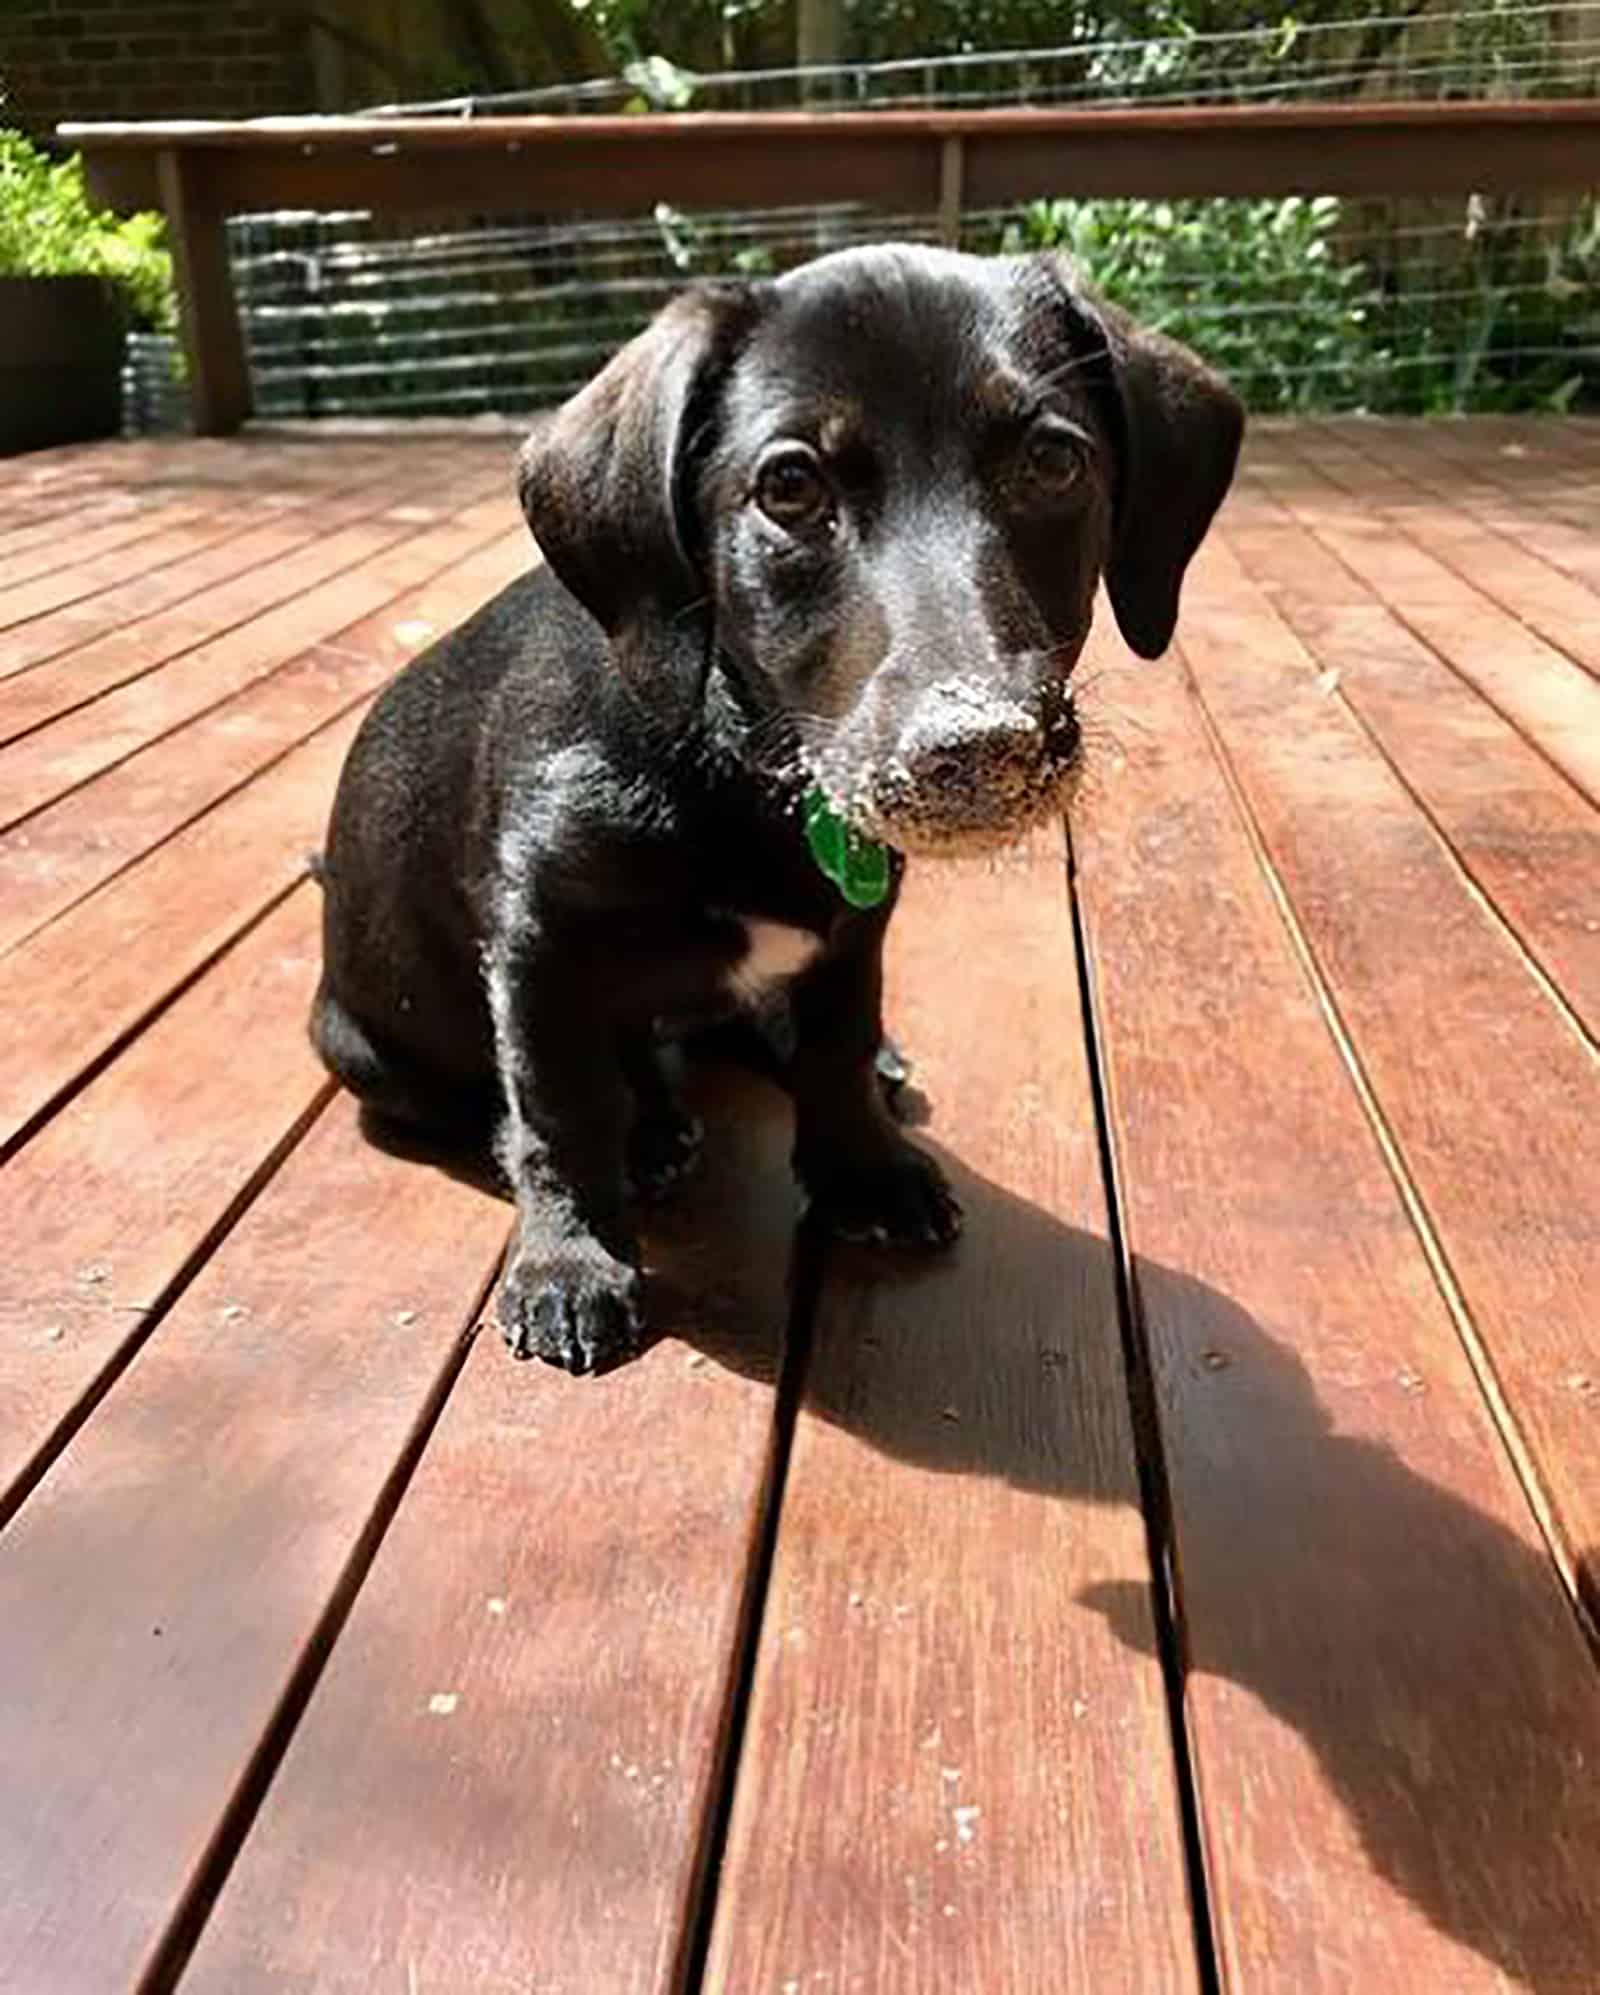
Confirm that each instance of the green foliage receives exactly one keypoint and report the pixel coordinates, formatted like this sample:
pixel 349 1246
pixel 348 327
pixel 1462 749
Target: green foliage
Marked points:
pixel 632 30
pixel 1256 286
pixel 50 228
pixel 1120 48
pixel 1488 314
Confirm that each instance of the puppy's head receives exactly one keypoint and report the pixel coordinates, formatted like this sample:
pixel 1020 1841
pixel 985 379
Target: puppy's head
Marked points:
pixel 882 490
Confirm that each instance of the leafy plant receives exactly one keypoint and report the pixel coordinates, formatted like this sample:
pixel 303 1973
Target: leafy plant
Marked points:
pixel 1256 286
pixel 1489 313
pixel 50 228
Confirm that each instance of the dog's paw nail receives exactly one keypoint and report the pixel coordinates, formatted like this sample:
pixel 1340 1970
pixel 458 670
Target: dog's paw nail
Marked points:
pixel 894 1069
pixel 945 1217
pixel 859 1235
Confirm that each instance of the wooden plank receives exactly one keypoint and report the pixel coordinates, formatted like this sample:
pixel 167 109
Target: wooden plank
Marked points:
pixel 738 129
pixel 87 649
pixel 98 643
pixel 111 464
pixel 75 465
pixel 42 520
pixel 952 177
pixel 1521 491
pixel 1527 838
pixel 1545 696
pixel 219 692
pixel 1391 1707
pixel 878 156
pixel 1526 445
pixel 173 1580
pixel 53 860
pixel 213 344
pixel 98 491
pixel 115 1198
pixel 1529 452
pixel 1529 499
pixel 1488 1091
pixel 1533 472
pixel 569 1569
pixel 266 509
pixel 1564 612
pixel 592 174
pixel 62 469
pixel 79 987
pixel 105 556
pixel 601 164
pixel 143 531
pixel 955 1777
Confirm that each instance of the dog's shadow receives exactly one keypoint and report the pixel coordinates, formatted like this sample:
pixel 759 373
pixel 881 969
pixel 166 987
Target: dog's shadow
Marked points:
pixel 1417 1645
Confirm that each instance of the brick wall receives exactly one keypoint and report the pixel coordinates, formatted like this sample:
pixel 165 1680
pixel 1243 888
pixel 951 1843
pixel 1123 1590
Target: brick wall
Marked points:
pixel 150 59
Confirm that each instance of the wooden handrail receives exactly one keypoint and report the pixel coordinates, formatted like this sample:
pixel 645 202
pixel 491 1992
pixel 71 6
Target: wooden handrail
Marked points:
pixel 916 161
pixel 469 134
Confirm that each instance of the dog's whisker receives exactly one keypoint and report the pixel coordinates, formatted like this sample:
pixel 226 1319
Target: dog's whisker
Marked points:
pixel 1075 365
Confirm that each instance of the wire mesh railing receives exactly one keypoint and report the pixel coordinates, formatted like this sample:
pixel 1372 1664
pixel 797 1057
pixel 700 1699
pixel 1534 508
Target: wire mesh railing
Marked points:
pixel 1398 306
pixel 1513 49
pixel 1308 304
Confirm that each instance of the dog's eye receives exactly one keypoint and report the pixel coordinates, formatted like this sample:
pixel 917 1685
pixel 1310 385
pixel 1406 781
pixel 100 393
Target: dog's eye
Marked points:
pixel 791 489
pixel 1054 456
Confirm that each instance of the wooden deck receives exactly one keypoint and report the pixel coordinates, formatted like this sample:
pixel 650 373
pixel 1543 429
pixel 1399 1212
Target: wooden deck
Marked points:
pixel 1003 1626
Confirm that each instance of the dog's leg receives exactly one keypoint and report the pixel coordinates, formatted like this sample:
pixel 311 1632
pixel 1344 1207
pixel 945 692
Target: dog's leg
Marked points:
pixel 389 1086
pixel 571 1291
pixel 865 1179
pixel 664 1139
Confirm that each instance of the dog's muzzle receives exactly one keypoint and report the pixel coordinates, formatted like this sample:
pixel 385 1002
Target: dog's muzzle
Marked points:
pixel 973 767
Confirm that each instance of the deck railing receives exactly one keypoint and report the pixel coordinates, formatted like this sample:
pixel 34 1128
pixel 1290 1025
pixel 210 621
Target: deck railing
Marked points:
pixel 939 160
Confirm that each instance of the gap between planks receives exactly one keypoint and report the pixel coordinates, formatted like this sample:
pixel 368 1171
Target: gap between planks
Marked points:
pixel 1548 704
pixel 115 816
pixel 1513 1243
pixel 1379 1649
pixel 54 663
pixel 126 553
pixel 1519 1452
pixel 1548 603
pixel 1526 866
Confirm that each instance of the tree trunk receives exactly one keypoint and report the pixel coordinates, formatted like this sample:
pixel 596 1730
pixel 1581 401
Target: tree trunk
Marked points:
pixel 819 42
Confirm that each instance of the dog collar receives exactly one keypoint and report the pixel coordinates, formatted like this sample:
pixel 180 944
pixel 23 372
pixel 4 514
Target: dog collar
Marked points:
pixel 857 866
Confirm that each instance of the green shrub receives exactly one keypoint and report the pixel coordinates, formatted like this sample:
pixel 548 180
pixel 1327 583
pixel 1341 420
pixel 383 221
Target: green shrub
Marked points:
pixel 1483 313
pixel 1256 286
pixel 50 228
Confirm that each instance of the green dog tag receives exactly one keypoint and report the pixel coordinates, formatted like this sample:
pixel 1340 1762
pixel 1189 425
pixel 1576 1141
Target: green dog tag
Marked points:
pixel 857 866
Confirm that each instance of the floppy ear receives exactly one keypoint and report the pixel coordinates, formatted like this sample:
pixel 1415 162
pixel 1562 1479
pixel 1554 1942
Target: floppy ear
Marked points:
pixel 1182 427
pixel 1178 427
pixel 606 483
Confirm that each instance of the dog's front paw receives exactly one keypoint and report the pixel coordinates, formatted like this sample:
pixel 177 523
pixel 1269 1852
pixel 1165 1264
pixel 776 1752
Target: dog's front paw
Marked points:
pixel 576 1306
pixel 901 1199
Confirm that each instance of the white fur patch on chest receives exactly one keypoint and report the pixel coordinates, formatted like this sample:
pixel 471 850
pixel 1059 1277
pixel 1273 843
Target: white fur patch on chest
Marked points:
pixel 775 953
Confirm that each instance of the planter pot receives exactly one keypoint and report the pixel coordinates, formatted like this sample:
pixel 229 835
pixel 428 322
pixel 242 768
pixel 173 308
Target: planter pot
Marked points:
pixel 60 361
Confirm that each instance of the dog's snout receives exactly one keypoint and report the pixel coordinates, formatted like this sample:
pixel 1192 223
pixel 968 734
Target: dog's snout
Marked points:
pixel 959 731
pixel 969 764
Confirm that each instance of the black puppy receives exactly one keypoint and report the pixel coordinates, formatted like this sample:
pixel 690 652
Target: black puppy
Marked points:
pixel 834 537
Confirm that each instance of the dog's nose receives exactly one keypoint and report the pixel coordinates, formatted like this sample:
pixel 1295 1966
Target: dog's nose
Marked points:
pixel 960 734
